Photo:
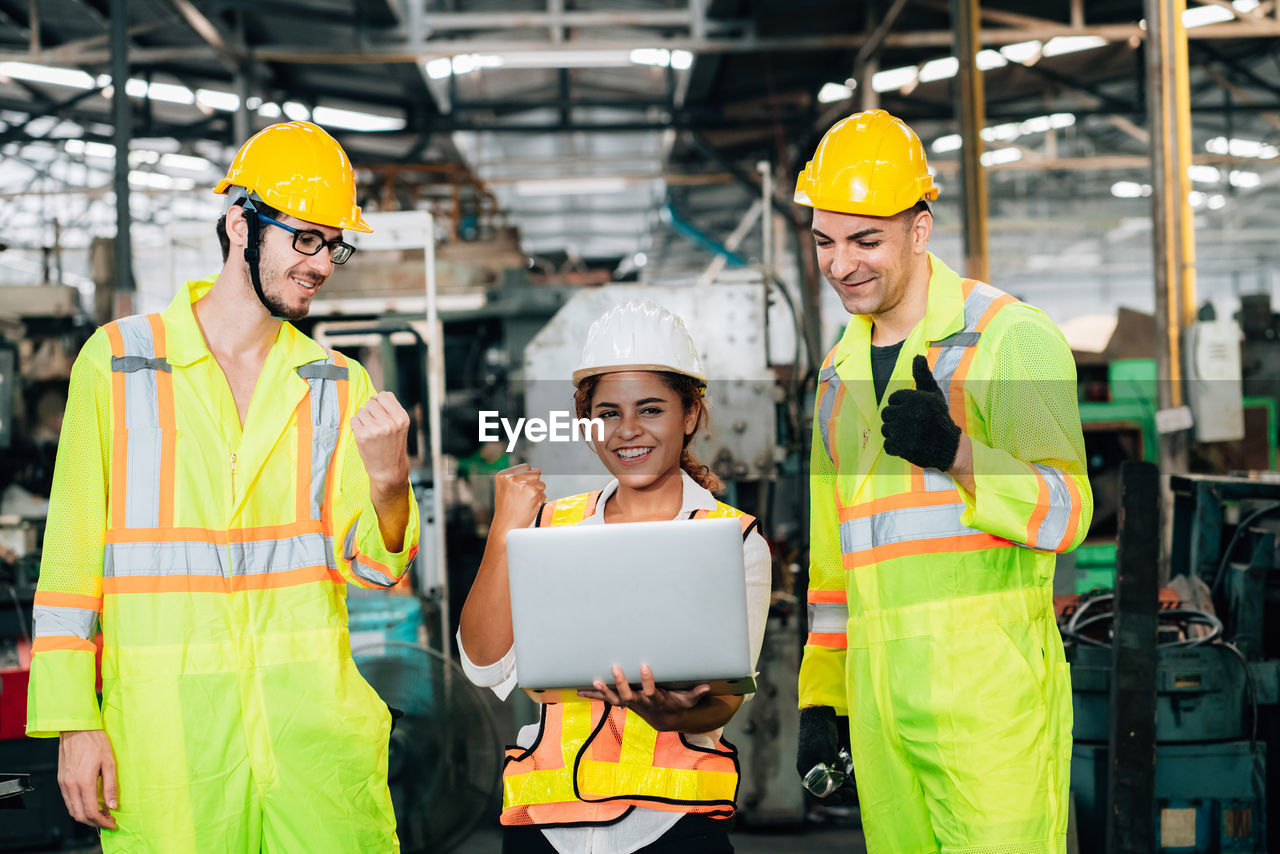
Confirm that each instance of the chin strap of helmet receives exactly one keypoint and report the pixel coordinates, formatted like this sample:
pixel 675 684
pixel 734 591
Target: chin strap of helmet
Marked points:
pixel 252 251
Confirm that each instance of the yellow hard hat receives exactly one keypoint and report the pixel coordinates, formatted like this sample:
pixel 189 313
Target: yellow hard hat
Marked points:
pixel 300 170
pixel 869 163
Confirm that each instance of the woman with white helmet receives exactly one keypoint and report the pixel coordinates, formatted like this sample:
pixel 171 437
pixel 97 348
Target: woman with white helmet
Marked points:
pixel 621 770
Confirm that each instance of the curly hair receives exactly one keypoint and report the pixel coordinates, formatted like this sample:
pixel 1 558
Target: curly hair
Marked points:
pixel 690 392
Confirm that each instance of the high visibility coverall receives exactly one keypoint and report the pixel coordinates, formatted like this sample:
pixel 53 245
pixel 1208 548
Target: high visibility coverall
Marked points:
pixel 931 616
pixel 215 561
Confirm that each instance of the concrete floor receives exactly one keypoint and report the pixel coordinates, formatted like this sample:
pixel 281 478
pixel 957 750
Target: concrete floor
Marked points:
pixel 814 840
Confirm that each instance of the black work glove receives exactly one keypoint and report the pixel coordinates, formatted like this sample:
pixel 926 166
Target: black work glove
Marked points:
pixel 820 741
pixel 917 424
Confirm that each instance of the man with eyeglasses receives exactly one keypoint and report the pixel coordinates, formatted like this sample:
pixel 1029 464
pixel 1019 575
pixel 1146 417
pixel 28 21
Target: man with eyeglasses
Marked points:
pixel 220 480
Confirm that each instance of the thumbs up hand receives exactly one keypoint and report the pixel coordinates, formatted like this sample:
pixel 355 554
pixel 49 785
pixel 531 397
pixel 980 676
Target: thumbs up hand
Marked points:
pixel 917 425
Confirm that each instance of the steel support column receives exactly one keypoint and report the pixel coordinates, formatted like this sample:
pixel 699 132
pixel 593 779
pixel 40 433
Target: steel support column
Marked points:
pixel 1168 106
pixel 123 120
pixel 970 106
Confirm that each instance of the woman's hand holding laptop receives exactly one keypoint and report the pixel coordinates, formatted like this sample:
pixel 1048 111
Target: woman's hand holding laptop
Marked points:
pixel 661 709
pixel 666 710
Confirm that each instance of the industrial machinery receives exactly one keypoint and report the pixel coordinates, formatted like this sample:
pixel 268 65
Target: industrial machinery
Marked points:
pixel 1216 676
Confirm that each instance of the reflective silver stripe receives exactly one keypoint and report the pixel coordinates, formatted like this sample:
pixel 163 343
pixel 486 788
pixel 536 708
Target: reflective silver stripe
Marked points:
pixel 54 621
pixel 832 379
pixel 936 481
pixel 325 409
pixel 283 555
pixel 131 560
pixel 959 339
pixel 128 560
pixel 352 557
pixel 899 526
pixel 371 575
pixel 349 542
pixel 325 370
pixel 951 349
pixel 142 420
pixel 1054 526
pixel 129 364
pixel 828 617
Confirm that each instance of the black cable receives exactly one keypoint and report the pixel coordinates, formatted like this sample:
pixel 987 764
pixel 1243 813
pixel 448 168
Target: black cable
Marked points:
pixel 1078 623
pixel 22 621
pixel 1253 691
pixel 1231 544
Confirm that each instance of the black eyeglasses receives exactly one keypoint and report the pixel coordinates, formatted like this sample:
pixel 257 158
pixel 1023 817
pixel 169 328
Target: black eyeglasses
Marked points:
pixel 311 242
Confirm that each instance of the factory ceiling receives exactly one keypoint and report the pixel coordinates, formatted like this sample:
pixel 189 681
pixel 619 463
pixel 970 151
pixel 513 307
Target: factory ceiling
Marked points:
pixel 595 125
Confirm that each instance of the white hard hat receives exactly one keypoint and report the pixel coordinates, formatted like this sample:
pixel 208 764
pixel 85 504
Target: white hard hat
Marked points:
pixel 639 336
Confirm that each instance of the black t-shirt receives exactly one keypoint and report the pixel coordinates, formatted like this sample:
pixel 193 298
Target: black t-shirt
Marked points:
pixel 882 361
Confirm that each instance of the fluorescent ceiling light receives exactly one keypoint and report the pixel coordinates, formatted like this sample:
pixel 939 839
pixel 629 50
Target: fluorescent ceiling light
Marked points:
pixel 297 112
pixel 1023 52
pixel 1203 174
pixel 91 149
pixel 561 59
pixel 1059 45
pixel 658 56
pixel 1239 147
pixel 170 92
pixel 640 259
pixel 439 68
pixel 893 78
pixel 1130 190
pixel 270 110
pixel 569 186
pixel 186 162
pixel 1217 201
pixel 355 120
pixel 1244 180
pixel 1005 132
pixel 71 77
pixel 831 92
pixel 1200 16
pixel 950 142
pixel 1197 199
pixel 215 100
pixel 989 59
pixel 465 63
pixel 939 69
pixel 1043 124
pixel 158 181
pixel 996 156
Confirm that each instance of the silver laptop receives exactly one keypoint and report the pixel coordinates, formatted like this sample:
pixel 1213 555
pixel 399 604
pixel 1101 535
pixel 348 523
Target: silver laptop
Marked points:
pixel 668 594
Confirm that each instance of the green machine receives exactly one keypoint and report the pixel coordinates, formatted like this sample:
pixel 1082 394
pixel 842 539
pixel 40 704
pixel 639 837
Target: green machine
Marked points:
pixel 1124 428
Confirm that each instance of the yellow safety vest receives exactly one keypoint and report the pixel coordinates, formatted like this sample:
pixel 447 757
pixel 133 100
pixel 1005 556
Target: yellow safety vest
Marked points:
pixel 592 763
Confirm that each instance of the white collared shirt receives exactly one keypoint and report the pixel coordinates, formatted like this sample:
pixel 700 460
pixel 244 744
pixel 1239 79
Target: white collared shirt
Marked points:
pixel 642 826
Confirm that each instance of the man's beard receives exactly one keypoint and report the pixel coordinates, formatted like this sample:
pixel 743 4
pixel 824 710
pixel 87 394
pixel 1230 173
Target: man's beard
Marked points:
pixel 269 275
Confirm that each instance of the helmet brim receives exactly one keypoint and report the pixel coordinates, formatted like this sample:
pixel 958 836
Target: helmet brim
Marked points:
pixel 582 373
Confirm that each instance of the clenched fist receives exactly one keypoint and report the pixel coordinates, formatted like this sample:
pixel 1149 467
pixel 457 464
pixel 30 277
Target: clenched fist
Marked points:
pixel 381 430
pixel 518 492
